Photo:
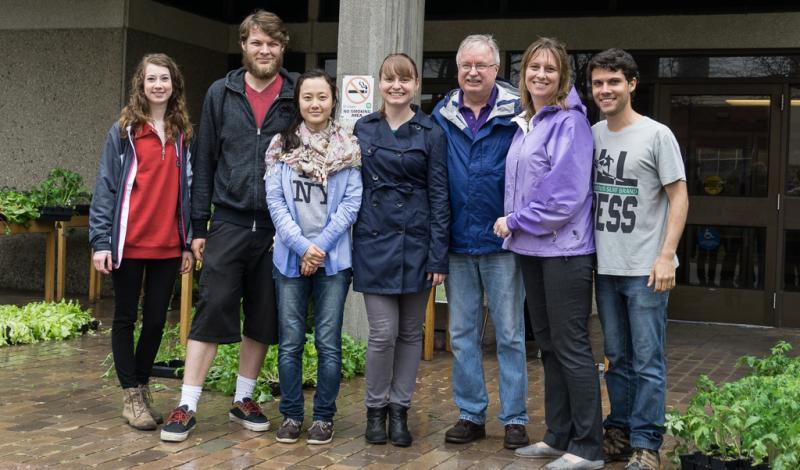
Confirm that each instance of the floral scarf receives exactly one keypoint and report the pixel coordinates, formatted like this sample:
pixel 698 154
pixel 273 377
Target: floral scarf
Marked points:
pixel 319 155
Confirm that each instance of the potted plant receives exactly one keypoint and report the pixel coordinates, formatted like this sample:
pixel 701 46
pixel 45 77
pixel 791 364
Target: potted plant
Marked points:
pixel 746 423
pixel 83 200
pixel 16 207
pixel 56 196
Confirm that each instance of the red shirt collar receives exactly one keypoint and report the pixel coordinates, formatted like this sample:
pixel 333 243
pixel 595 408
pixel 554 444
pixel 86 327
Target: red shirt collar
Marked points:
pixel 144 130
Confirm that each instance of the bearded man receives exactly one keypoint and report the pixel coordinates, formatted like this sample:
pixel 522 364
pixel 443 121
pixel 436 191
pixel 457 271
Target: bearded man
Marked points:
pixel 241 114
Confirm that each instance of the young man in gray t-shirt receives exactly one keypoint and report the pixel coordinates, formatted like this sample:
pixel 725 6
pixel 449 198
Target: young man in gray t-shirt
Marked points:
pixel 640 204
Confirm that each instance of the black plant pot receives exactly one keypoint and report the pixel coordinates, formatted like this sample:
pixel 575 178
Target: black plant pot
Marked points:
pixel 82 209
pixel 168 369
pixel 698 461
pixel 92 325
pixel 49 213
pixel 275 389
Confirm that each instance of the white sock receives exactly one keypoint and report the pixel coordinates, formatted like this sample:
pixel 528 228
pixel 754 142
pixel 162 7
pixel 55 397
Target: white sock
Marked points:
pixel 190 395
pixel 244 388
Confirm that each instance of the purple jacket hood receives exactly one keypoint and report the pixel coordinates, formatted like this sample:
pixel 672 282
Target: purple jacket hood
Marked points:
pixel 548 186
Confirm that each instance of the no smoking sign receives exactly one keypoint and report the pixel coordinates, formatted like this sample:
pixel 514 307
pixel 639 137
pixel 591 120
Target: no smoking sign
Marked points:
pixel 358 93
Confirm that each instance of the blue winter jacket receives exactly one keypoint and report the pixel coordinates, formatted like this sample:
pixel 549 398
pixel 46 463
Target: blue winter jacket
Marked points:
pixel 344 199
pixel 477 168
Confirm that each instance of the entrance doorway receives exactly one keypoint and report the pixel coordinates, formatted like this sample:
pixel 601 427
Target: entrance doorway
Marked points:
pixel 740 252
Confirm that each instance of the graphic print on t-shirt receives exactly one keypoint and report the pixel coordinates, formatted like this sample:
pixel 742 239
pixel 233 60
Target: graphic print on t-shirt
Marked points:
pixel 615 196
pixel 303 188
pixel 311 204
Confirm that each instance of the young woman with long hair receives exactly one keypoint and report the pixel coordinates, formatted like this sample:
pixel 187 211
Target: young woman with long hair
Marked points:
pixel 548 224
pixel 400 242
pixel 313 193
pixel 139 222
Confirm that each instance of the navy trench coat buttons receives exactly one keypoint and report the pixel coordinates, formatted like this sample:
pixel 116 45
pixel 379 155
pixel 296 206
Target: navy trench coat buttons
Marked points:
pixel 402 231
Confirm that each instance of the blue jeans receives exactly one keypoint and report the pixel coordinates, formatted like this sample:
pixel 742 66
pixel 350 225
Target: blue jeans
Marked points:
pixel 498 275
pixel 329 294
pixel 634 319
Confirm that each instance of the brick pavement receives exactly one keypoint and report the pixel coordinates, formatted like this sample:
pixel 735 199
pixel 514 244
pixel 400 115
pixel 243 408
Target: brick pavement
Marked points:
pixel 56 410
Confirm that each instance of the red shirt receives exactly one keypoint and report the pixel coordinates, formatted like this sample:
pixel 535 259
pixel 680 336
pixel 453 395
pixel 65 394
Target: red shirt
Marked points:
pixel 261 101
pixel 153 215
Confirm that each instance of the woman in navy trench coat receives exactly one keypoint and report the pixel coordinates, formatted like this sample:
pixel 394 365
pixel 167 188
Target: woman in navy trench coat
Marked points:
pixel 400 242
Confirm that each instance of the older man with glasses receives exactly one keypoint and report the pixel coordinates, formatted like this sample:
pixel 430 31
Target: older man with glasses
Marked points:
pixel 476 118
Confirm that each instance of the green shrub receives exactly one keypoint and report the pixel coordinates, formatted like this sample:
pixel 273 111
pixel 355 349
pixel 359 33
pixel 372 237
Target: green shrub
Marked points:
pixel 63 188
pixel 225 368
pixel 756 417
pixel 16 207
pixel 42 321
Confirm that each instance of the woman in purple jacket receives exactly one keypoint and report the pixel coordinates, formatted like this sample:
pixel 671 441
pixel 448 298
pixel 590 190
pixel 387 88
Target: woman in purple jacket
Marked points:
pixel 548 223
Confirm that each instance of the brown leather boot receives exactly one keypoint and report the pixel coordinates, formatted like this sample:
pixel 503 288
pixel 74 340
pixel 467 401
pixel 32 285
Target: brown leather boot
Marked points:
pixel 148 402
pixel 135 411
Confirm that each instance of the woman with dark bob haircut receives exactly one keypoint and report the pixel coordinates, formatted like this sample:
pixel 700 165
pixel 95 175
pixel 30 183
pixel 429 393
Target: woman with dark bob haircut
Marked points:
pixel 313 193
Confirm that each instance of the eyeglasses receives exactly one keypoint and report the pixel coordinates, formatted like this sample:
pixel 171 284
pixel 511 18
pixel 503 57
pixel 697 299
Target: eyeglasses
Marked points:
pixel 478 67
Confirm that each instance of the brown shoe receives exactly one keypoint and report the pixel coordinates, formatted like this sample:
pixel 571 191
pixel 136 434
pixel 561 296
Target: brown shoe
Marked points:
pixel 644 459
pixel 617 445
pixel 148 402
pixel 135 411
pixel 516 436
pixel 464 432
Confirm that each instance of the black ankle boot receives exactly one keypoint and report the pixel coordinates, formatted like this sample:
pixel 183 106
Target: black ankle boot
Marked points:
pixel 398 425
pixel 376 425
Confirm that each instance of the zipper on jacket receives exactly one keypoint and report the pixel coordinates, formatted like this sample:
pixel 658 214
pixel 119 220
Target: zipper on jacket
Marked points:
pixel 255 171
pixel 163 150
pixel 179 150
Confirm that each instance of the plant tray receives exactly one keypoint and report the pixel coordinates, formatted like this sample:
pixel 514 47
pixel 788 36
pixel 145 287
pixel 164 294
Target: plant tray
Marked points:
pixel 168 369
pixel 82 209
pixel 92 325
pixel 55 213
pixel 698 461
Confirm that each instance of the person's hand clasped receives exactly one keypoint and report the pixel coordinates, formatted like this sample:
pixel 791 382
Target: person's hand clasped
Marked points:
pixel 308 269
pixel 662 275
pixel 501 227
pixel 436 278
pixel 312 260
pixel 102 262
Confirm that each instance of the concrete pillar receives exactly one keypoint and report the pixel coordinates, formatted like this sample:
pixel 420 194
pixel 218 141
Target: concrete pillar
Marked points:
pixel 368 31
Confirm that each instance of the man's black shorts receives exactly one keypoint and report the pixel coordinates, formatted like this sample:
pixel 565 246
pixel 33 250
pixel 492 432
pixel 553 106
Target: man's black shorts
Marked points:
pixel 237 270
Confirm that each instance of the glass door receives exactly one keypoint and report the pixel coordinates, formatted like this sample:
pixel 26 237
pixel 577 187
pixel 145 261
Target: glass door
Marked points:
pixel 730 140
pixel 788 296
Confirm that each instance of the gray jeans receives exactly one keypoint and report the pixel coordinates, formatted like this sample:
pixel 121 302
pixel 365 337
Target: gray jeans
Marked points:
pixel 394 347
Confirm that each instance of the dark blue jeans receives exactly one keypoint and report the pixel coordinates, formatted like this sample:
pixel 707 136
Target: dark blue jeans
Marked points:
pixel 634 319
pixel 329 294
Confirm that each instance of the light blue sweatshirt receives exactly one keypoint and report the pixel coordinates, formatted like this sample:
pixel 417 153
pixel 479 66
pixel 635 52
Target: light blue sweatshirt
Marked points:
pixel 344 200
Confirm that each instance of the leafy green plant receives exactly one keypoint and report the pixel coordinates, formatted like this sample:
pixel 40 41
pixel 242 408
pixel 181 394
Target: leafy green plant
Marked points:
pixel 16 207
pixel 222 374
pixel 62 188
pixel 42 321
pixel 756 417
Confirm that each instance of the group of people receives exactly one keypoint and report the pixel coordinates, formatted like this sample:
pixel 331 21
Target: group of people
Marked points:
pixel 503 193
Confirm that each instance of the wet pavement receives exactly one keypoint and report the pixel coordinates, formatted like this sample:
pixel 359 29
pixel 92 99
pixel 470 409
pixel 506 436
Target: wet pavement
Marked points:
pixel 57 410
